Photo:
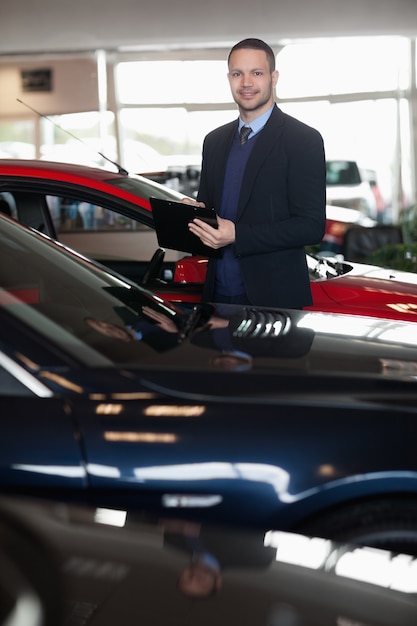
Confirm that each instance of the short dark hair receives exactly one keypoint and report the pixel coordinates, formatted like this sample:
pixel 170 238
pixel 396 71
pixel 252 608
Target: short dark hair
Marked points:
pixel 255 44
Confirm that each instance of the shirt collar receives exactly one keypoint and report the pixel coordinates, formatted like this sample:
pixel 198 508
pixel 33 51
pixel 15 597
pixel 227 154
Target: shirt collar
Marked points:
pixel 258 123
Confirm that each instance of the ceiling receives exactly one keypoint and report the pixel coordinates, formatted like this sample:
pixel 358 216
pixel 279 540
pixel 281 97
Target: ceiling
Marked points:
pixel 49 26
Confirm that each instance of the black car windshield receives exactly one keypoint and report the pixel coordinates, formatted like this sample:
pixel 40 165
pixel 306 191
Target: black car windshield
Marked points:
pixel 81 307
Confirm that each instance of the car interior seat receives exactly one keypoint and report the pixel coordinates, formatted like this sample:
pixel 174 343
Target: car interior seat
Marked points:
pixel 360 241
pixel 5 207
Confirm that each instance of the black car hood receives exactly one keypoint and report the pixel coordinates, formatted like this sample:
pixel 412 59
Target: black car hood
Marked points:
pixel 257 340
pixel 72 565
pixel 60 311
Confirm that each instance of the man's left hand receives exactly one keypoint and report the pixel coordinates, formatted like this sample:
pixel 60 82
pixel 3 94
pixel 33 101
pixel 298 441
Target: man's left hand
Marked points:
pixel 215 238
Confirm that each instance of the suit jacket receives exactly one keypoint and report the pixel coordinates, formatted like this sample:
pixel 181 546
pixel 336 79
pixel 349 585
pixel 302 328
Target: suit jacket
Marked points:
pixel 281 209
pixel 231 548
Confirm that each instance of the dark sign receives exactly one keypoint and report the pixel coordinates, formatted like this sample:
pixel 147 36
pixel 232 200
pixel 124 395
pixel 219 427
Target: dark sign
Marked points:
pixel 36 80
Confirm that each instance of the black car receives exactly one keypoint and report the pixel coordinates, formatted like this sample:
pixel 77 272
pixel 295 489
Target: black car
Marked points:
pixel 72 566
pixel 284 419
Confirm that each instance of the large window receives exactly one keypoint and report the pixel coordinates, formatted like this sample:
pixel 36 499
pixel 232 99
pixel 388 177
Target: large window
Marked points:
pixel 156 138
pixel 78 138
pixel 175 82
pixel 157 107
pixel 351 65
pixel 353 90
pixel 17 139
pixel 170 105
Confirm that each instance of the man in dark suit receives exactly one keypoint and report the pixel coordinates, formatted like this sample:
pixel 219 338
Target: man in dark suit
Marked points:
pixel 269 191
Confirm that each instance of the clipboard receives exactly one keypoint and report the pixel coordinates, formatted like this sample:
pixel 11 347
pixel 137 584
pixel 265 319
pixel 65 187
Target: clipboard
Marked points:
pixel 171 221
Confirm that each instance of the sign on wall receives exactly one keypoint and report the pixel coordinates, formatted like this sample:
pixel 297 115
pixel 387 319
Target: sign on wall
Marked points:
pixel 36 80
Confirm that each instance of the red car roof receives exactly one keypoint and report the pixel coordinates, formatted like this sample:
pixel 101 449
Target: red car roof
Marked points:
pixel 37 168
pixel 86 176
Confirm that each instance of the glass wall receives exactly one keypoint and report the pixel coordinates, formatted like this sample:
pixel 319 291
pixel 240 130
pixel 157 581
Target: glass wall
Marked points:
pixel 77 138
pixel 17 139
pixel 169 105
pixel 353 90
pixel 357 91
pixel 346 65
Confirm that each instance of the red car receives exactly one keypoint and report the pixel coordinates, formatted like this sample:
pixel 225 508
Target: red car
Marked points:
pixel 107 216
pixel 342 287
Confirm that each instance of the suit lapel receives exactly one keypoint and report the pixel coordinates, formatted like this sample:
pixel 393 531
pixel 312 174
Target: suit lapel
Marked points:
pixel 222 151
pixel 266 141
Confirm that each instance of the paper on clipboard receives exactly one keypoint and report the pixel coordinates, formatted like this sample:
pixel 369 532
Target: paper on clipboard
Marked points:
pixel 171 221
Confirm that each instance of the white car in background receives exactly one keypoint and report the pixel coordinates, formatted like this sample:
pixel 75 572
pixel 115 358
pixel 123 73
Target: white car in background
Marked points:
pixel 352 187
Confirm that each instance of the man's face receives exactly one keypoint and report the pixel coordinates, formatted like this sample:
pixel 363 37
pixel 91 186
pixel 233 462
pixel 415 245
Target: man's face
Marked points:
pixel 198 580
pixel 251 81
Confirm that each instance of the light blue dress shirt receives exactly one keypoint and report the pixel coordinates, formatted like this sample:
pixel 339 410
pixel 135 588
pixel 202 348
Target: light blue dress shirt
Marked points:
pixel 258 123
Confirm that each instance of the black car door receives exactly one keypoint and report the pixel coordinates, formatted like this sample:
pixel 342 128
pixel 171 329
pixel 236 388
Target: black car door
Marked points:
pixel 40 451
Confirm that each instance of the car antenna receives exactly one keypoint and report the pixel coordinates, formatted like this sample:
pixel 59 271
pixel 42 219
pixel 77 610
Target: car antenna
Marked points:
pixel 120 169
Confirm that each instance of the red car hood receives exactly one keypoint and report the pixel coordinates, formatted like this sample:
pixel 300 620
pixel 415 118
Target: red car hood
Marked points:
pixel 362 290
pixel 368 290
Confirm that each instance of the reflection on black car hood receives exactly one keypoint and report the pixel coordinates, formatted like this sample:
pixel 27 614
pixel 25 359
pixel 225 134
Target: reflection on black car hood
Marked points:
pixel 96 318
pixel 100 567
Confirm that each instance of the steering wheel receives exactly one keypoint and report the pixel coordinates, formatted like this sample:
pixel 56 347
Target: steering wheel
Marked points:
pixel 154 267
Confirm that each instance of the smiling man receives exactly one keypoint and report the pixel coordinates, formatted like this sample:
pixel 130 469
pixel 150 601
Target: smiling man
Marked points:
pixel 268 185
